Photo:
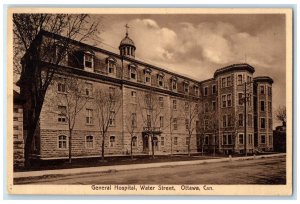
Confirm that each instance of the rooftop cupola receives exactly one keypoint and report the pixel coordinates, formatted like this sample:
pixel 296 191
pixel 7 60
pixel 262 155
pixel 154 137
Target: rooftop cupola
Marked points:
pixel 127 47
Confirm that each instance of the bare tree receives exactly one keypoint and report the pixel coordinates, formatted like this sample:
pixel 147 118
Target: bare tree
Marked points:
pixel 71 96
pixel 151 105
pixel 280 114
pixel 107 103
pixel 131 120
pixel 190 114
pixel 38 64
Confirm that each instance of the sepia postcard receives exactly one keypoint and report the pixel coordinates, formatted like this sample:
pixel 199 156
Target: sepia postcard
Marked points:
pixel 149 101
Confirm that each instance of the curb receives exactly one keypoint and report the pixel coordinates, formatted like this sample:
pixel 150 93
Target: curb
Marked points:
pixel 133 166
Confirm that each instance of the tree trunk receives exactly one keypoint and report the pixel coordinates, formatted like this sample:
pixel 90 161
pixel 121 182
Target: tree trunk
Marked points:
pixel 131 155
pixel 70 146
pixel 152 142
pixel 102 154
pixel 28 146
pixel 171 145
pixel 189 147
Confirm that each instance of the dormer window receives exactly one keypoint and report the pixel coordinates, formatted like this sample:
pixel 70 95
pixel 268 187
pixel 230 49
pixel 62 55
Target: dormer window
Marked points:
pixel 186 86
pixel 88 61
pixel 147 72
pixel 160 79
pixel 111 65
pixel 174 83
pixel 132 72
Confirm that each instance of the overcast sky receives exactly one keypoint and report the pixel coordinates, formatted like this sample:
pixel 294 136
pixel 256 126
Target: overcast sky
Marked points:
pixel 197 45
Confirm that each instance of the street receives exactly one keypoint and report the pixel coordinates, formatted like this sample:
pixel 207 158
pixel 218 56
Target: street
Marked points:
pixel 259 171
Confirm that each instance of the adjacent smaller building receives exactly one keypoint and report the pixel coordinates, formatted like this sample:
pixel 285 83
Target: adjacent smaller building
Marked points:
pixel 18 136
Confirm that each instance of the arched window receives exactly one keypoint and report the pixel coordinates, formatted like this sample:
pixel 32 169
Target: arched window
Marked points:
pixel 89 141
pixel 111 65
pixel 132 72
pixel 62 142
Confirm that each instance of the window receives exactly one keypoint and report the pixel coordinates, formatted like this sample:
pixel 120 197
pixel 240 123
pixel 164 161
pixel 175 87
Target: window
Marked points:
pixel 229 137
pixel 112 141
pixel 206 139
pixel 89 116
pixel 269 106
pixel 133 94
pixel 224 121
pixel 205 91
pixel 214 105
pixel 88 60
pixel 250 138
pixel 147 78
pixel 133 72
pixel 174 104
pixel 262 106
pixel 250 120
pixel 16 118
pixel 214 89
pixel 134 141
pixel 175 123
pixel 175 140
pixel 16 127
pixel 16 110
pixel 186 124
pixel 187 140
pixel 62 142
pixel 241 139
pixel 229 81
pixel 249 79
pixel 89 142
pixel 262 89
pixel 262 123
pixel 61 86
pixel 62 111
pixel 185 87
pixel 240 79
pixel 160 79
pixel 162 141
pixel 270 140
pixel 88 89
pixel 161 121
pixel 263 139
pixel 241 120
pixel 112 121
pixel 241 99
pixel 270 124
pixel 206 107
pixel 196 89
pixel 269 91
pixel 161 102
pixel 111 64
pixel 229 100
pixel 133 120
pixel 174 85
pixel 223 82
pixel 205 124
pixel 223 101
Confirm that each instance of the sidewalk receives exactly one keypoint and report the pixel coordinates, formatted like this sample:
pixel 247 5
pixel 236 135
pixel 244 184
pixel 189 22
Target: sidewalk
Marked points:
pixel 131 166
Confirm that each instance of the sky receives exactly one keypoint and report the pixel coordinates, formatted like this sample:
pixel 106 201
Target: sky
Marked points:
pixel 195 45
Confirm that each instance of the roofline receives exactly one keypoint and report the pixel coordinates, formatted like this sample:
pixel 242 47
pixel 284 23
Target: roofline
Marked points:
pixel 49 34
pixel 235 67
pixel 263 79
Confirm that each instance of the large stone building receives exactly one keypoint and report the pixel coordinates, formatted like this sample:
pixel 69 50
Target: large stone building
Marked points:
pixel 219 103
